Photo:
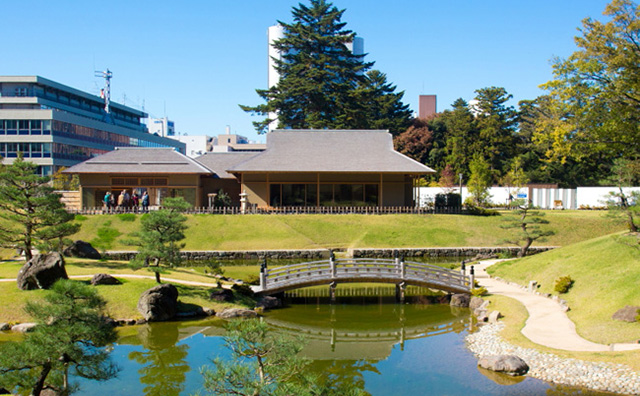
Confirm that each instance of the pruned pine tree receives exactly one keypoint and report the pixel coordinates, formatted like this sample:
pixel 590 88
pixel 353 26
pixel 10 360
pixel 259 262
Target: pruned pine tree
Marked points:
pixel 525 224
pixel 158 240
pixel 323 84
pixel 264 363
pixel 31 214
pixel 69 339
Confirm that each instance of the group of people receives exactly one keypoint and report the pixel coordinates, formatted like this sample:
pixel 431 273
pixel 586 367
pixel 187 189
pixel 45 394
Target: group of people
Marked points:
pixel 126 202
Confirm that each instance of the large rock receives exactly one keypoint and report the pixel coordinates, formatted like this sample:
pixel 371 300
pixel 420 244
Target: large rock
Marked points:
pixel 627 314
pixel 231 313
pixel 23 327
pixel 221 295
pixel 508 364
pixel 477 302
pixel 460 300
pixel 104 279
pixel 82 249
pixel 159 303
pixel 269 302
pixel 42 271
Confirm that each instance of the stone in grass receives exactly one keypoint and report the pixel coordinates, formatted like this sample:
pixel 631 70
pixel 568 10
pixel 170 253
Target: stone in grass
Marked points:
pixel 494 316
pixel 82 249
pixel 23 327
pixel 104 279
pixel 231 313
pixel 626 314
pixel 41 272
pixel 508 364
pixel 221 295
pixel 460 300
pixel 5 327
pixel 477 302
pixel 159 303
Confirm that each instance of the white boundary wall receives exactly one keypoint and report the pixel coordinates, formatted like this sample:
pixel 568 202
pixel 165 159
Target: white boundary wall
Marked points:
pixel 590 197
pixel 497 195
pixel 544 198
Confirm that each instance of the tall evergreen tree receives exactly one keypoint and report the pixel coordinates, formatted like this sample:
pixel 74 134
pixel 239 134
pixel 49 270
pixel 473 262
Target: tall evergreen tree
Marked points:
pixel 32 215
pixel 496 127
pixel 462 136
pixel 322 83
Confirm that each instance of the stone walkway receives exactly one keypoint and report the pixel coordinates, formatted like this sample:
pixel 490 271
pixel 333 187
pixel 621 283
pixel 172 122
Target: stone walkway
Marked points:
pixel 548 324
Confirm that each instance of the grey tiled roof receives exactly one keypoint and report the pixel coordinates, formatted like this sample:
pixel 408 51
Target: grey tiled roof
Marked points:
pixel 331 151
pixel 140 160
pixel 220 162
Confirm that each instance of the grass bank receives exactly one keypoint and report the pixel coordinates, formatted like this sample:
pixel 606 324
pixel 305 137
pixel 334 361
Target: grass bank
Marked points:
pixel 257 232
pixel 606 275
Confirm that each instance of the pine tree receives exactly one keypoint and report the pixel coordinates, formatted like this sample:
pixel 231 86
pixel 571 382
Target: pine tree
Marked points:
pixel 526 225
pixel 462 136
pixel 323 85
pixel 32 215
pixel 69 338
pixel 159 237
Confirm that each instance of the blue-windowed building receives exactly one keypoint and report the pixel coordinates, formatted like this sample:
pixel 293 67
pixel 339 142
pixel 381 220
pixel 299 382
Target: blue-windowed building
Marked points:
pixel 56 126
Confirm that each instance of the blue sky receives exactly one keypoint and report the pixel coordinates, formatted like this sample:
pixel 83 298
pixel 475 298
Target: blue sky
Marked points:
pixel 196 60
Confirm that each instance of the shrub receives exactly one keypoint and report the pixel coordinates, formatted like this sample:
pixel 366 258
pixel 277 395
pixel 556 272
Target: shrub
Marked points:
pixel 127 217
pixel 252 279
pixel 563 284
pixel 242 289
pixel 479 291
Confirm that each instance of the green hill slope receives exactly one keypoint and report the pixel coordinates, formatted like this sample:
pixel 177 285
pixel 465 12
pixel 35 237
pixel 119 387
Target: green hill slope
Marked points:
pixel 607 277
pixel 255 232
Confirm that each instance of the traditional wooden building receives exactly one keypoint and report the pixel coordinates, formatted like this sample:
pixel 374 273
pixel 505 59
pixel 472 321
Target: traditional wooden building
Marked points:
pixel 161 172
pixel 297 168
pixel 329 168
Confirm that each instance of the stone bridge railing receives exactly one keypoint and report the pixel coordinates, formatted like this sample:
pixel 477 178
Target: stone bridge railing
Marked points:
pixel 334 271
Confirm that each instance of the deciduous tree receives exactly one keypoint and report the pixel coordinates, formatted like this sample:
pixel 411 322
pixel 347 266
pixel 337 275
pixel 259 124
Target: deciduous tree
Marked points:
pixel 479 181
pixel 596 90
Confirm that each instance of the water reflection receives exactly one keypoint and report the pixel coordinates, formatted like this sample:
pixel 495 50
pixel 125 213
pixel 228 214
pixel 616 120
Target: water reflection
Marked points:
pixel 366 332
pixel 164 364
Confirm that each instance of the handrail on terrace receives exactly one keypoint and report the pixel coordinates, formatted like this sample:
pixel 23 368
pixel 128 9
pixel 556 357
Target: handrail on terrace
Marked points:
pixel 333 271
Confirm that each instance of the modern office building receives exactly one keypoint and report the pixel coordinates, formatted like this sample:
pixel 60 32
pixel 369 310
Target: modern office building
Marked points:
pixel 276 32
pixel 161 126
pixel 56 126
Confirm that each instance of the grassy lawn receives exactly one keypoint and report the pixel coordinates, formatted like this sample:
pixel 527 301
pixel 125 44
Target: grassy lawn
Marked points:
pixel 257 232
pixel 121 299
pixel 515 316
pixel 606 275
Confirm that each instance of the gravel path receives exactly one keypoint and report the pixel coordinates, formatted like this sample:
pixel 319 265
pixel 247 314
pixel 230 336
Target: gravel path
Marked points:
pixel 548 367
pixel 549 325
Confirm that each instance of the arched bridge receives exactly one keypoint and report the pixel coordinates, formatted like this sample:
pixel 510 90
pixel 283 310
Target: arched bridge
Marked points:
pixel 333 271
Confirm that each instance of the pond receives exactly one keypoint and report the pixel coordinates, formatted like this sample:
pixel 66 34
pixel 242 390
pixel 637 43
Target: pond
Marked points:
pixel 384 348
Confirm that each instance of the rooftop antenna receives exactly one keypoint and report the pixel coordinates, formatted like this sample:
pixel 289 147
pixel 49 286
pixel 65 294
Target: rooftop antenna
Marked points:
pixel 106 91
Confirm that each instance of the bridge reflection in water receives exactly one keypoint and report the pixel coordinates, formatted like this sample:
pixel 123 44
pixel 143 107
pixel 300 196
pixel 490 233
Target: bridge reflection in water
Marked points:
pixel 371 333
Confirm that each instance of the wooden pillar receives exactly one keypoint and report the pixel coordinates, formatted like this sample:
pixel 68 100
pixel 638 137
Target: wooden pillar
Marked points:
pixel 400 292
pixel 332 292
